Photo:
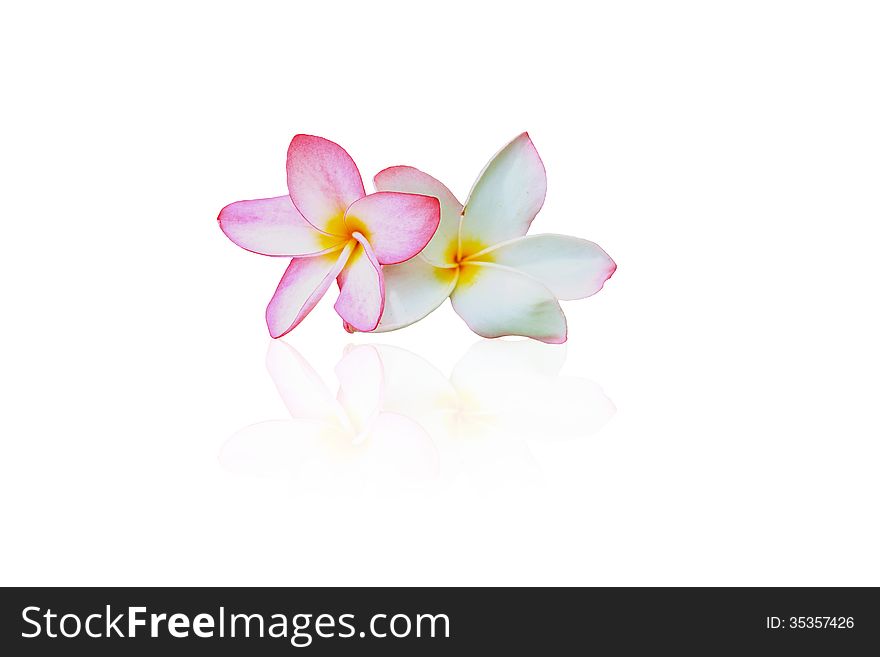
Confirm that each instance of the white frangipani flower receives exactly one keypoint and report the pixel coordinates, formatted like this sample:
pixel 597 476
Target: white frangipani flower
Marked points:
pixel 501 281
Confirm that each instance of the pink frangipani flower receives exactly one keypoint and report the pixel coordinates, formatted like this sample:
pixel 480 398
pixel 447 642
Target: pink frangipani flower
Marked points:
pixel 501 281
pixel 331 229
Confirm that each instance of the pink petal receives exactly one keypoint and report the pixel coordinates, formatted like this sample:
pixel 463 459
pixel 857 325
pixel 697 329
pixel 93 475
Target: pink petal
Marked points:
pixel 443 247
pixel 302 390
pixel 276 448
pixel 397 225
pixel 323 181
pixel 302 286
pixel 273 227
pixel 361 383
pixel 505 198
pixel 361 289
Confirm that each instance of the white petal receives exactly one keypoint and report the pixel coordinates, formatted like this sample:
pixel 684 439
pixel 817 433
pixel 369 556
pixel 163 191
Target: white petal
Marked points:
pixel 413 290
pixel 413 386
pixel 571 267
pixel 496 301
pixel 514 359
pixel 505 198
pixel 517 384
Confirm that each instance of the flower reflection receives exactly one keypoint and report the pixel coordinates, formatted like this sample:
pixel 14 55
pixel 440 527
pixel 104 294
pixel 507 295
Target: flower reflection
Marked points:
pixel 396 419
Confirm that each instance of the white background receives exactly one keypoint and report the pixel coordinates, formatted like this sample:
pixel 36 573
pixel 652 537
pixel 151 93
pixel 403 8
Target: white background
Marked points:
pixel 725 154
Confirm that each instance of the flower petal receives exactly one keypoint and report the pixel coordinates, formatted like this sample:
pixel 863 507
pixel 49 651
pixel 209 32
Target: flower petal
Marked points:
pixel 276 448
pixel 443 247
pixel 414 387
pixel 571 267
pixel 302 286
pixel 361 386
pixel 273 227
pixel 323 181
pixel 303 392
pixel 496 300
pixel 517 384
pixel 400 453
pixel 397 225
pixel 413 290
pixel 361 288
pixel 505 198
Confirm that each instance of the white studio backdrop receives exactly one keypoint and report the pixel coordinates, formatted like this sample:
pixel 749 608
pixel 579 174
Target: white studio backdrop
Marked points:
pixel 712 419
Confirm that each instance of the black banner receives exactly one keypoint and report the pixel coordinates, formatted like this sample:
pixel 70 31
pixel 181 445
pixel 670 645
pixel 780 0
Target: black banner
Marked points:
pixel 418 621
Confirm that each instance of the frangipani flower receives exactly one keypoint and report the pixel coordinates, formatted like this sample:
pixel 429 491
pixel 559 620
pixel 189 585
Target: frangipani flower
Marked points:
pixel 501 282
pixel 337 440
pixel 394 418
pixel 331 229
